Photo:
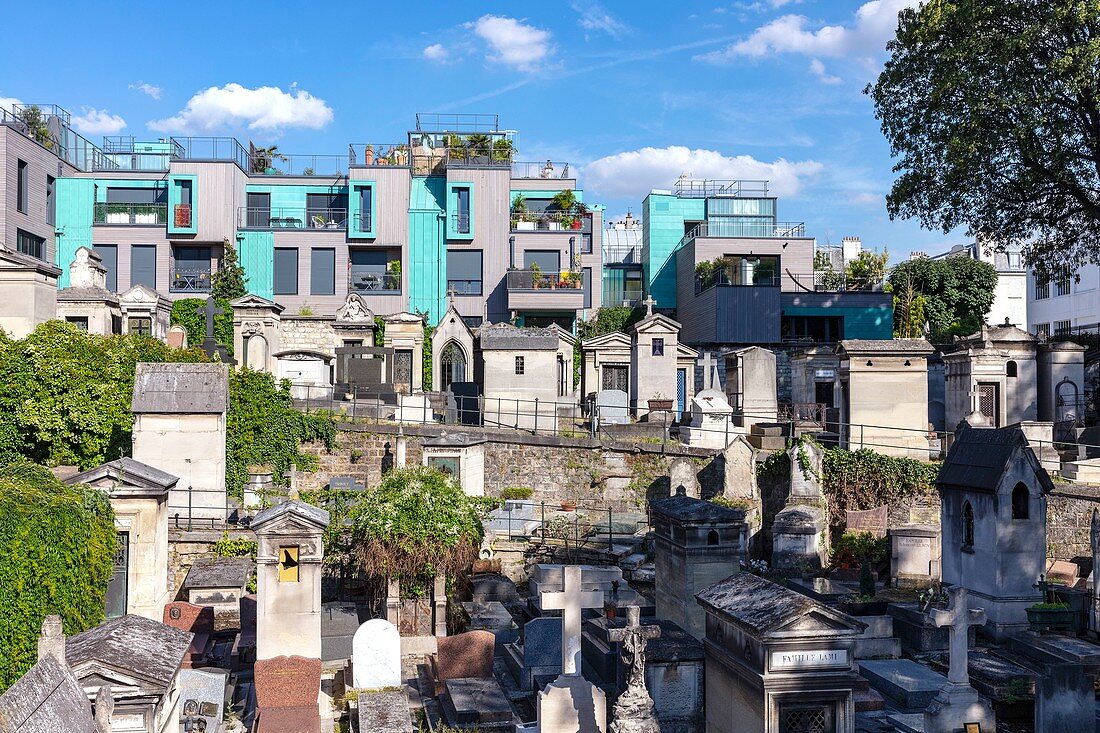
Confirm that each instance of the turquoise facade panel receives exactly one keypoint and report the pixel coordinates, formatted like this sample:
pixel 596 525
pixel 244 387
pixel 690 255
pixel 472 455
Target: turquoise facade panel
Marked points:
pixel 75 210
pixel 256 251
pixel 665 216
pixel 427 246
pixel 859 323
pixel 453 229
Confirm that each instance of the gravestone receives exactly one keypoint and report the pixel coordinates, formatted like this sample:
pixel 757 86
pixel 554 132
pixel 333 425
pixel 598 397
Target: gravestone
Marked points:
pixel 683 473
pixel 345 483
pixel 177 337
pixel 634 711
pixel 911 686
pixel 542 639
pixel 202 697
pixel 414 408
pixel 869 520
pixel 287 688
pixel 463 655
pixel 806 461
pixel 613 407
pixel 796 538
pixel 739 461
pixel 494 618
pixel 711 421
pixel 957 702
pixel 914 556
pixel 376 655
pixel 476 703
pixel 384 711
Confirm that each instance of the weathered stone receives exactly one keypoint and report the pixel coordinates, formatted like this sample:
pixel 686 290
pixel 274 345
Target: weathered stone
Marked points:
pixel 634 711
pixel 384 711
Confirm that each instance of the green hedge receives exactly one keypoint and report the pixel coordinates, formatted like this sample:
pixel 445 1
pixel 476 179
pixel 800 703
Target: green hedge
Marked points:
pixel 186 313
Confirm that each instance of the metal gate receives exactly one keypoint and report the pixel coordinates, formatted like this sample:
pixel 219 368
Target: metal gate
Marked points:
pixel 989 403
pixel 402 371
pixel 616 376
pixel 681 392
pixel 117 585
pixel 806 719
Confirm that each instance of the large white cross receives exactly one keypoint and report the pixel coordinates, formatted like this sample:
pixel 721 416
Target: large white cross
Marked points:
pixel 959 618
pixel 570 600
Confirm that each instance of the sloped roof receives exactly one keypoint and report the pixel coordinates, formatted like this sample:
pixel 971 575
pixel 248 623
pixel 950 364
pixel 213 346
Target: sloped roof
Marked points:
pixel 219 572
pixel 133 644
pixel 762 607
pixel 181 388
pixel 11 259
pixel 690 509
pixel 82 294
pixel 295 507
pixel 654 319
pixel 126 471
pixel 255 301
pixel 506 337
pixel 614 338
pixel 885 346
pixel 980 457
pixel 47 699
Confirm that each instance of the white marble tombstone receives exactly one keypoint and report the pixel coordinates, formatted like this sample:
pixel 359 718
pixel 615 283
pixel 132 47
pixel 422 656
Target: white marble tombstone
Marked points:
pixel 376 655
pixel 613 407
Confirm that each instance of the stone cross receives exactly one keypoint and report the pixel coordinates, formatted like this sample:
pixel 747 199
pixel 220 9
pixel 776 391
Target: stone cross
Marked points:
pixel 570 600
pixel 293 493
pixel 1095 540
pixel 649 302
pixel 959 618
pixel 209 344
pixel 633 637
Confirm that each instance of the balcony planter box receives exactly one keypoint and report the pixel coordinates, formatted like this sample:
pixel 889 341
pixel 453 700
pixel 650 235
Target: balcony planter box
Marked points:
pixel 660 405
pixel 577 224
pixel 525 226
pixel 1043 619
pixel 554 226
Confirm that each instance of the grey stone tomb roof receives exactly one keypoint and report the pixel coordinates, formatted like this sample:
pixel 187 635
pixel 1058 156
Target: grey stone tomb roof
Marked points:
pixel 690 509
pixel 127 472
pixel 294 507
pixel 915 346
pixel 132 644
pixel 47 699
pixel 181 388
pixel 453 440
pixel 505 337
pixel 219 572
pixel 762 607
pixel 980 457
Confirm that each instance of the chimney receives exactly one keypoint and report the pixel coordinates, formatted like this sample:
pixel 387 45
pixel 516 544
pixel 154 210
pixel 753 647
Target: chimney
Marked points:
pixel 104 709
pixel 51 641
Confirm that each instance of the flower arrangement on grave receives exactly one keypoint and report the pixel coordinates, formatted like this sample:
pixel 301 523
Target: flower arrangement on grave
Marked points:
pixel 1051 613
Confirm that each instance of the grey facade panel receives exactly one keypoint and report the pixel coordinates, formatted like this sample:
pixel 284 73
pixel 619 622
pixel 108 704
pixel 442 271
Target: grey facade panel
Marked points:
pixel 285 280
pixel 747 314
pixel 143 265
pixel 108 253
pixel 322 276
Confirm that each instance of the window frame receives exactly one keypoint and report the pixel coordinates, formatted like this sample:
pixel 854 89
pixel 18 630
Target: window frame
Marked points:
pixel 275 282
pixel 521 366
pixel 22 186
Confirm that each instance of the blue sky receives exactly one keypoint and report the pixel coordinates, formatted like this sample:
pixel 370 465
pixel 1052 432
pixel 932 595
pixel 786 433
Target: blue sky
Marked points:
pixel 632 93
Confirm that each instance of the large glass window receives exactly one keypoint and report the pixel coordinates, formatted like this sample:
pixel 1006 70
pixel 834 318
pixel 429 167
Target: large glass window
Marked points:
pixel 547 260
pixel 30 244
pixel 108 255
pixel 322 272
pixel 143 265
pixel 21 185
pixel 51 200
pixel 375 270
pixel 366 211
pixel 462 223
pixel 190 269
pixel 464 271
pixel 285 280
pixel 258 209
pixel 327 210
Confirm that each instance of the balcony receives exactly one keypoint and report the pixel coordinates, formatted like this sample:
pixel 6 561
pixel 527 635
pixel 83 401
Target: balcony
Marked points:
pixel 749 228
pixel 464 287
pixel 292 217
pixel 362 221
pixel 213 149
pixel 190 280
pixel 545 170
pixel 378 155
pixel 127 153
pixel 330 166
pixel 374 282
pixel 548 221
pixel 694 188
pixel 460 223
pixel 130 214
pixel 833 282
pixel 545 290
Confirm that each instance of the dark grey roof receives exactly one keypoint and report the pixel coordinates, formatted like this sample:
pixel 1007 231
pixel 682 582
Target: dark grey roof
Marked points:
pixel 454 440
pixel 82 294
pixel 690 509
pixel 20 260
pixel 914 346
pixel 298 508
pixel 761 606
pixel 133 644
pixel 219 572
pixel 47 699
pixel 979 457
pixel 127 471
pixel 504 337
pixel 181 388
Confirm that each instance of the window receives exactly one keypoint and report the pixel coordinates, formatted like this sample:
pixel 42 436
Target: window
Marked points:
pixel 285 271
pixel 1011 369
pixel 549 261
pixel 1062 286
pixel 967 526
pixel 30 244
pixel 51 200
pixel 1062 327
pixel 108 254
pixel 375 270
pixel 712 538
pixel 326 210
pixel 586 284
pixel 1020 500
pixel 1042 288
pixel 258 210
pixel 462 216
pixel 820 329
pixel 519 365
pixel 464 271
pixel 143 265
pixel 1042 330
pixel 473 321
pixel 21 184
pixel 615 376
pixel 80 322
pixel 288 564
pixel 190 270
pixel 1015 261
pixel 366 197
pixel 322 271
pixel 137 196
pixel 143 326
pixel 658 347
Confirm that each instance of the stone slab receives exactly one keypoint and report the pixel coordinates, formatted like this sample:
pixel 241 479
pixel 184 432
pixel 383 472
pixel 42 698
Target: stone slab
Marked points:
pixel 202 695
pixel 911 685
pixel 384 712
pixel 477 701
pixel 907 722
pixel 822 589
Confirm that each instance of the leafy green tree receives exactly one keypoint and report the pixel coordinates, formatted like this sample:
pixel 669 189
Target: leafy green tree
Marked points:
pixel 607 319
pixel 909 318
pixel 957 294
pixel 229 282
pixel 866 270
pixel 829 278
pixel 993 111
pixel 417 522
pixel 58 544
pixel 36 125
pixel 188 313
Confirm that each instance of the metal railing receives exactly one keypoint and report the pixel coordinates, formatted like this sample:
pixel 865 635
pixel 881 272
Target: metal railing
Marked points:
pixel 383 283
pixel 552 221
pixel 291 217
pixel 834 282
pixel 725 277
pixel 623 255
pixel 704 188
pixel 746 227
pixel 362 221
pixel 190 280
pixel 460 223
pixel 130 214
pixel 544 280
pixel 217 149
pixel 378 155
pixel 803 412
pixel 458 121
pixel 305 165
pixel 464 287
pixel 540 169
pixel 128 153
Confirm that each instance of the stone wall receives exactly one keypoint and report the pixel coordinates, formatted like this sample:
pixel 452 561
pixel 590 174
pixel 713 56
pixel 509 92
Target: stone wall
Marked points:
pixel 306 333
pixel 185 547
pixel 1069 521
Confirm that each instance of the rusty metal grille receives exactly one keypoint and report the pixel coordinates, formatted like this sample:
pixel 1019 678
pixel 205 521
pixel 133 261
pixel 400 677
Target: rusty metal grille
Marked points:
pixel 804 720
pixel 987 402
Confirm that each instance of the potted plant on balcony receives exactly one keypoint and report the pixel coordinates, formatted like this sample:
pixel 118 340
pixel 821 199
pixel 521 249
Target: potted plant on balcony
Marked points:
pixel 571 279
pixel 368 155
pixel 1052 614
pixel 393 271
pixel 659 403
pixel 524 220
pixel 536 276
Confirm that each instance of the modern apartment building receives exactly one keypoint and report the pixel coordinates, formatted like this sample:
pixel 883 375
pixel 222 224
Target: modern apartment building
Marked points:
pixel 447 209
pixel 1066 304
pixel 716 254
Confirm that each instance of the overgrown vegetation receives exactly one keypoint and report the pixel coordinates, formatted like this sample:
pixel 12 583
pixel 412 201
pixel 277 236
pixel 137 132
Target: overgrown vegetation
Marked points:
pixel 606 320
pixel 854 547
pixel 189 314
pixel 230 281
pixel 957 293
pixel 237 547
pixel 58 544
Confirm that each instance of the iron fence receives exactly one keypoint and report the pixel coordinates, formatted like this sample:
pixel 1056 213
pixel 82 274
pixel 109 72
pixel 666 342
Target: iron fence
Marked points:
pixel 291 217
pixel 196 280
pixel 704 188
pixel 544 280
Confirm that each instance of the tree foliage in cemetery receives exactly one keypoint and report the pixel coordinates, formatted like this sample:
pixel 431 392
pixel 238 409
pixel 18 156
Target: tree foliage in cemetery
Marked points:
pixel 993 110
pixel 608 319
pixel 866 270
pixel 65 395
pixel 228 283
pixel 956 292
pixel 262 427
pixel 909 318
pixel 58 544
pixel 417 522
pixel 188 313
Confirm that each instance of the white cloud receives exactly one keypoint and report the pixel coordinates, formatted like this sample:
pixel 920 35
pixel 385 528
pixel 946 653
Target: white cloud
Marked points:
pixel 818 69
pixel 595 17
pixel 513 42
pixel 874 25
pixel 98 122
pixel 633 174
pixel 435 52
pixel 263 108
pixel 867 199
pixel 7 102
pixel 148 89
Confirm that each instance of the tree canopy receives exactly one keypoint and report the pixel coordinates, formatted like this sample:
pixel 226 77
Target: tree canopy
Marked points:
pixel 58 544
pixel 993 110
pixel 955 295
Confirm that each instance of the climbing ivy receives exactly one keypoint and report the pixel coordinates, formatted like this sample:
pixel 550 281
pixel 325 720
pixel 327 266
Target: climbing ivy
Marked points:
pixel 187 313
pixel 57 543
